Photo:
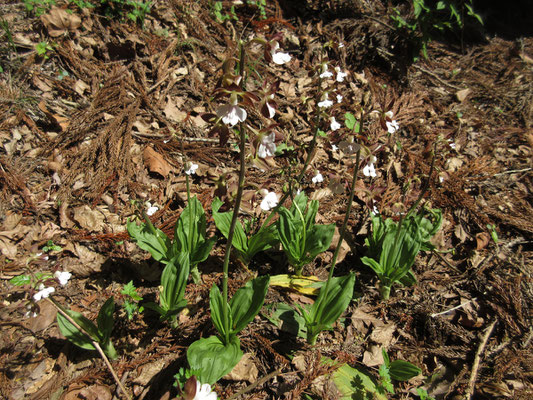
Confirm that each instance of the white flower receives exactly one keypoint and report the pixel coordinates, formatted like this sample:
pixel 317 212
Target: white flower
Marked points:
pixel 204 392
pixel 369 170
pixel 452 145
pixel 150 210
pixel 340 74
pixel 192 169
pixel 267 147
pixel 389 114
pixel 334 124
pixel 339 98
pixel 375 210
pixel 231 114
pixel 279 57
pixel 269 202
pixel 392 126
pixel 325 103
pixel 63 277
pixel 326 74
pixel 334 147
pixel 43 292
pixel 318 178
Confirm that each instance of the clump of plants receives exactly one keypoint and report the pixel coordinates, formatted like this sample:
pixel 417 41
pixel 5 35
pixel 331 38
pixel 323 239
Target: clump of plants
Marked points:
pixel 431 18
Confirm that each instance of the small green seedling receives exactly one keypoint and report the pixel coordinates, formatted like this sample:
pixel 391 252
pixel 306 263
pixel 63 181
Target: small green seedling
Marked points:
pixel 50 246
pixel 131 304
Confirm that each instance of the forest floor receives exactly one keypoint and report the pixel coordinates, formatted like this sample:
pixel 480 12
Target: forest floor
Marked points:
pixel 100 116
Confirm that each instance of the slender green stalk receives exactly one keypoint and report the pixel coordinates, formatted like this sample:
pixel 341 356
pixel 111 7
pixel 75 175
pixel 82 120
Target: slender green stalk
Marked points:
pixel 236 207
pixel 302 172
pixel 344 225
pixel 342 231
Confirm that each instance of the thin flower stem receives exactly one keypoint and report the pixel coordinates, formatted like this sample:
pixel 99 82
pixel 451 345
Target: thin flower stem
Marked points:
pixel 341 233
pixel 302 172
pixel 96 345
pixel 234 218
pixel 343 227
pixel 236 207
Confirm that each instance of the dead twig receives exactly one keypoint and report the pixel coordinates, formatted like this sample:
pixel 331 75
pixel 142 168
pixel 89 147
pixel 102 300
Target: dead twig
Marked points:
pixel 95 344
pixel 255 384
pixel 471 383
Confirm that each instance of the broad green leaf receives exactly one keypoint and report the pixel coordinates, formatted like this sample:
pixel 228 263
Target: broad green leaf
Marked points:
pixel 354 384
pixel 378 269
pixel 105 319
pixel 286 318
pixel 338 298
pixel 318 240
pixel 20 280
pixel 349 120
pixel 264 239
pixel 310 214
pixel 400 370
pixel 223 223
pixel 202 250
pixel 73 334
pixel 174 279
pixel 109 349
pixel 290 236
pixel 247 301
pixel 216 304
pixel 212 358
pixel 300 202
pixel 148 241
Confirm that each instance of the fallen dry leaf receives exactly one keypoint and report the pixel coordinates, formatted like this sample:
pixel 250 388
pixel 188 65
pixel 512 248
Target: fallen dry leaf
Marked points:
pixel 462 94
pixel 93 392
pixel 245 370
pixel 482 240
pixel 59 22
pixel 90 219
pixel 155 162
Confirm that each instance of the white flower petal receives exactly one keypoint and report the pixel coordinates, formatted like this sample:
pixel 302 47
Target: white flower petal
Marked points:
pixel 270 201
pixel 231 114
pixel 334 124
pixel 326 74
pixel 192 169
pixel 63 277
pixel 43 293
pixel 369 170
pixel 281 58
pixel 339 98
pixel 271 110
pixel 325 103
pixel 204 392
pixel 392 126
pixel 317 178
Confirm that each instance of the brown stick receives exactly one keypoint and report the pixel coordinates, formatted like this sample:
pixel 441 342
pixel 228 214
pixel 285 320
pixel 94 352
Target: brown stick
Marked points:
pixel 470 389
pixel 95 344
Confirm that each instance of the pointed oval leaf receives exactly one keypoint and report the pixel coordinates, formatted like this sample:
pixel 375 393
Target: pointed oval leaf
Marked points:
pixel 247 302
pixel 212 358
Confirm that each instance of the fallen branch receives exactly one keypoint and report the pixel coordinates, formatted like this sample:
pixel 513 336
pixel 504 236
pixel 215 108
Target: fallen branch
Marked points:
pixel 95 344
pixel 475 367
